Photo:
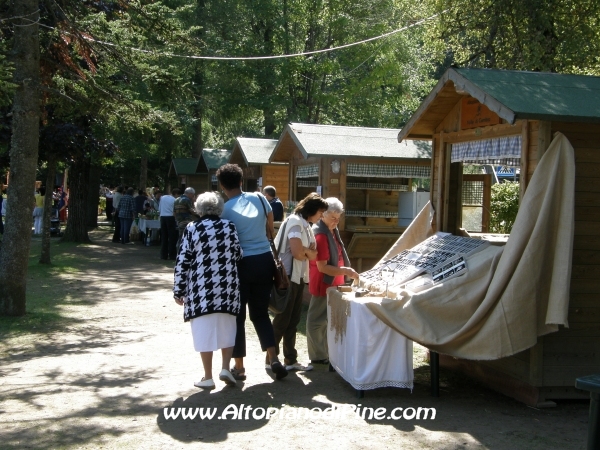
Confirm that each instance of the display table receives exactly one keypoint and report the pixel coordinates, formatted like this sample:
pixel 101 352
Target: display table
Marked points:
pixel 368 354
pixel 148 224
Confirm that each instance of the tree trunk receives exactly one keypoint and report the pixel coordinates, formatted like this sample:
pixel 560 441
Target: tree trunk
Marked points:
pixel 144 173
pixel 93 196
pixel 76 230
pixel 45 254
pixel 14 256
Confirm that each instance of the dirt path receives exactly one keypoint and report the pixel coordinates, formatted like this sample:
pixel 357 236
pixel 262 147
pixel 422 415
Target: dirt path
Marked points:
pixel 111 351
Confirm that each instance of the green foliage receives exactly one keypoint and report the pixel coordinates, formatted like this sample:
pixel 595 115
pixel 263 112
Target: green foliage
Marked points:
pixel 504 206
pixel 540 35
pixel 158 106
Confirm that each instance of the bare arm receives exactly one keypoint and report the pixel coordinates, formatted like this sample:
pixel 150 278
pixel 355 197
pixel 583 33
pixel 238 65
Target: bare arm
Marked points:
pixel 336 271
pixel 300 252
pixel 270 227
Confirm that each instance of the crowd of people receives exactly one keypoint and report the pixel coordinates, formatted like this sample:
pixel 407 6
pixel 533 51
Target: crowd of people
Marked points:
pixel 224 266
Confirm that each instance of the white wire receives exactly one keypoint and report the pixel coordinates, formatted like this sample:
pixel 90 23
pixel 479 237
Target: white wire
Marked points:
pixel 19 17
pixel 247 58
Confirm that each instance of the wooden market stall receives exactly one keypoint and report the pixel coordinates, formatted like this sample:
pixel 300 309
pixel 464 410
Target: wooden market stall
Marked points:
pixel 199 173
pixel 188 171
pixel 213 159
pixel 252 155
pixel 508 118
pixel 367 170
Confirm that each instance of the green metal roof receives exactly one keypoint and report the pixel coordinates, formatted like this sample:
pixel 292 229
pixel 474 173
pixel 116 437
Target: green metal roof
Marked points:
pixel 343 141
pixel 185 166
pixel 511 94
pixel 215 158
pixel 255 150
pixel 538 95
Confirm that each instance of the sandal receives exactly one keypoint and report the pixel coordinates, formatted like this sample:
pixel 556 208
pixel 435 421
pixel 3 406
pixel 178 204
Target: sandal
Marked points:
pixel 278 369
pixel 238 374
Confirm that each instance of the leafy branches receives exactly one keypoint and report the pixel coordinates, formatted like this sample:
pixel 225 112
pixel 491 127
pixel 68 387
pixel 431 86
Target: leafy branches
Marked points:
pixel 504 206
pixel 539 35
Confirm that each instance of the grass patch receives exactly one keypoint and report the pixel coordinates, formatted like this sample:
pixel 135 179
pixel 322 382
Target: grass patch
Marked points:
pixel 45 290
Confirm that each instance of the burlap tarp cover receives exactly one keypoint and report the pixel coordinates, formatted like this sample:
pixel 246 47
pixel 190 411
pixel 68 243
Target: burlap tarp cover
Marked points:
pixel 510 295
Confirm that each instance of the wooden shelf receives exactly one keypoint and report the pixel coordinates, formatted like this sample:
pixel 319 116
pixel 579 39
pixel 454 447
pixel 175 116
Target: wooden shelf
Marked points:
pixel 376 214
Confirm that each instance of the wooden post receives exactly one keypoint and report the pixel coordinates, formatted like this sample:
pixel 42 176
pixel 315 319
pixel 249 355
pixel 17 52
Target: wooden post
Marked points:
pixel 440 185
pixel 487 197
pixel 445 172
pixel 524 158
pixel 343 189
pixel 544 138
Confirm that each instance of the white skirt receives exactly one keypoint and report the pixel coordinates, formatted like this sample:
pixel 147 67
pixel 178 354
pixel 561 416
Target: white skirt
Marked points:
pixel 213 332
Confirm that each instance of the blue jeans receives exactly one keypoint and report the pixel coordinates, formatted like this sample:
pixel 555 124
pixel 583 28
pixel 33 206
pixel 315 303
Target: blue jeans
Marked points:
pixel 125 229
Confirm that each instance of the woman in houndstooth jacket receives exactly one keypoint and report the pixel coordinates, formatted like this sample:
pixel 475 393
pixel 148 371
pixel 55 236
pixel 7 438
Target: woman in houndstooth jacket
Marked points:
pixel 207 284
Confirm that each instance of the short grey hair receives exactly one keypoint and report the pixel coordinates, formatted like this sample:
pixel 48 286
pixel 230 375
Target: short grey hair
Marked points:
pixel 209 203
pixel 335 206
pixel 189 190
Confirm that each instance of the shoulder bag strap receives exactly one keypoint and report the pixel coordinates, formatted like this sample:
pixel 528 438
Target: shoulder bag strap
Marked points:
pixel 270 238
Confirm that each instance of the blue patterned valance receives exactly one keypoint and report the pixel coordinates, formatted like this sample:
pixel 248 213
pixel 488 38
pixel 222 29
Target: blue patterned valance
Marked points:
pixel 504 151
pixel 307 171
pixel 388 171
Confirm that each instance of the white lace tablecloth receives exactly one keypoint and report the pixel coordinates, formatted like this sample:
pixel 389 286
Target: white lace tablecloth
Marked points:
pixel 370 355
pixel 148 224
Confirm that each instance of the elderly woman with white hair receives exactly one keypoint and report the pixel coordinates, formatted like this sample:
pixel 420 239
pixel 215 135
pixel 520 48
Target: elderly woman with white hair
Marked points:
pixel 207 285
pixel 329 268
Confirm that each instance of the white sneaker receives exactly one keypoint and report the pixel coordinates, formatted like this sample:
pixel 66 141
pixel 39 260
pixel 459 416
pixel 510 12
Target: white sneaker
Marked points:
pixel 205 384
pixel 227 377
pixel 299 367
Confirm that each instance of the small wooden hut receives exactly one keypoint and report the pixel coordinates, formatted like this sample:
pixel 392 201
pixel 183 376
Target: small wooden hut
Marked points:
pixel 465 116
pixel 212 159
pixel 252 155
pixel 187 172
pixel 199 173
pixel 367 171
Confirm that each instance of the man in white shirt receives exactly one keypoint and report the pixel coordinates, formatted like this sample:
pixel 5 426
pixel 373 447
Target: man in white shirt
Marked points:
pixel 108 194
pixel 168 225
pixel 116 200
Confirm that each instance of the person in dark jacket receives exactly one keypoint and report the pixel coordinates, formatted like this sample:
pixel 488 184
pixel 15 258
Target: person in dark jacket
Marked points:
pixel 126 215
pixel 271 194
pixel 140 202
pixel 207 285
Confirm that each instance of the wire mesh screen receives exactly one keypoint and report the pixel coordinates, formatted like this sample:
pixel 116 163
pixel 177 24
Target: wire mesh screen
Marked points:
pixel 472 193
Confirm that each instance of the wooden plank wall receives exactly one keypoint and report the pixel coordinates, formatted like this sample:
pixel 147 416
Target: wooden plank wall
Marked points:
pixel 198 182
pixel 277 175
pixel 573 351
